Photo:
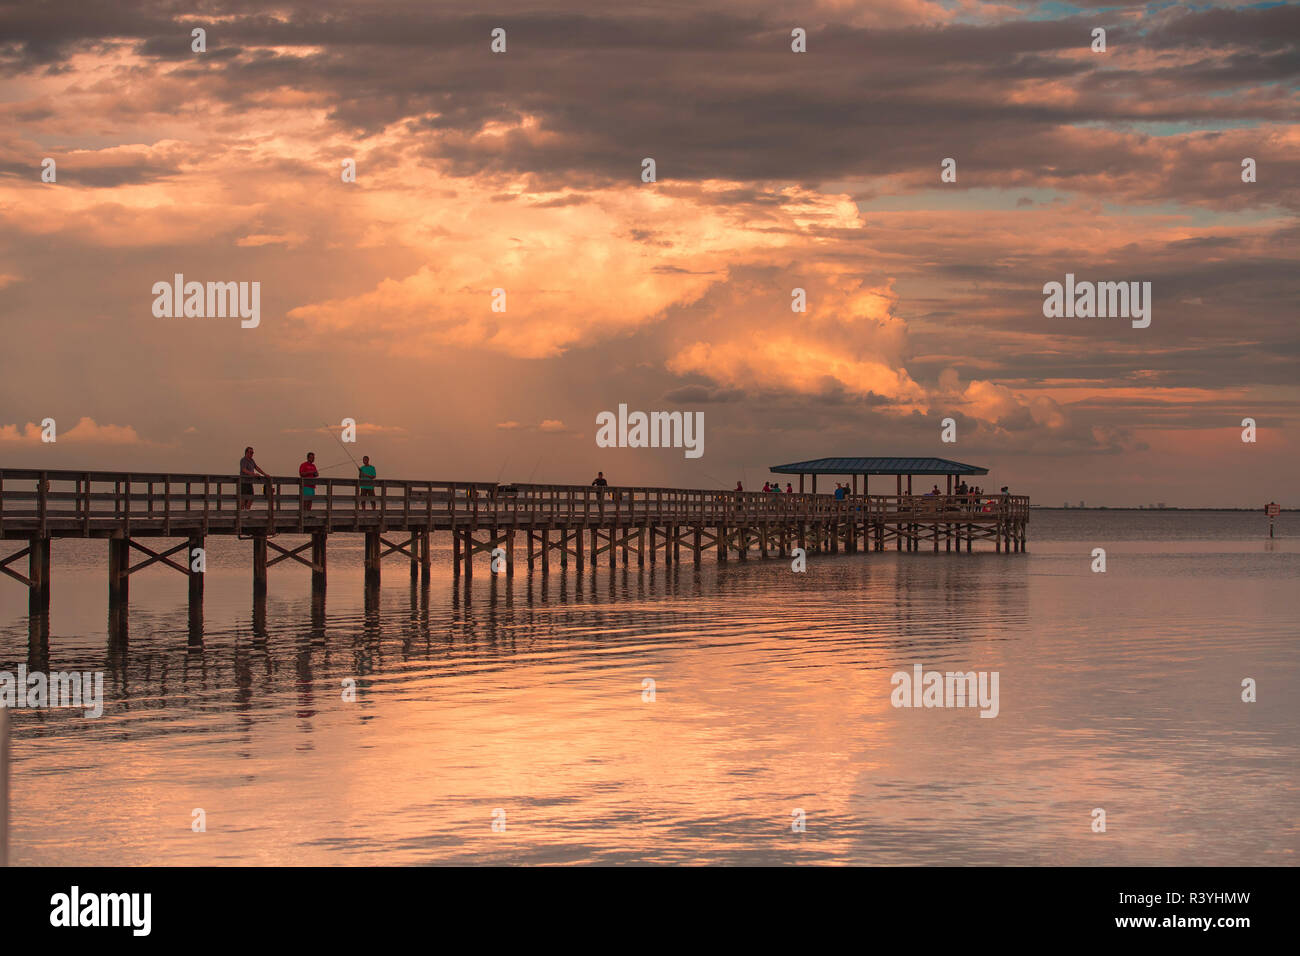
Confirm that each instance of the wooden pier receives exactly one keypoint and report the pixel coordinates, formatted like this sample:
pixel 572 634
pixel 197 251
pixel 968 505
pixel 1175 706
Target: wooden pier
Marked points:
pixel 553 524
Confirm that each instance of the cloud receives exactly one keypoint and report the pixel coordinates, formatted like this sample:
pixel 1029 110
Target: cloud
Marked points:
pixel 549 425
pixel 86 430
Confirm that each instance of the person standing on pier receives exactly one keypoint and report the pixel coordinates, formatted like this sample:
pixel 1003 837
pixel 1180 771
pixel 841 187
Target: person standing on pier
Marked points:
pixel 306 472
pixel 248 470
pixel 366 470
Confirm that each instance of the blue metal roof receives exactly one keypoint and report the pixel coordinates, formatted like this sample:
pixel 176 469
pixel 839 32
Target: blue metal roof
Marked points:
pixel 878 466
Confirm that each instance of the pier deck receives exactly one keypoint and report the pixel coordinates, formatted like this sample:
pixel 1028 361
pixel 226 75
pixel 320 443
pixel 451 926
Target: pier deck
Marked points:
pixel 568 522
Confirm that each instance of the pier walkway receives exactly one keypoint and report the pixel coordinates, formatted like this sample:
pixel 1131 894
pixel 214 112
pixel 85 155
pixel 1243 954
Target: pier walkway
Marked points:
pixel 556 523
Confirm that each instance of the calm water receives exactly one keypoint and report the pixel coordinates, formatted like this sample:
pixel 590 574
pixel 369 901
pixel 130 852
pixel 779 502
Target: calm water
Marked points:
pixel 1118 690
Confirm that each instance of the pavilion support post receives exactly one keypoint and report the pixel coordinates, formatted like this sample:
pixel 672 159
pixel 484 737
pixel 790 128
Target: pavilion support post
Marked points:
pixel 546 550
pixel 578 548
pixel 677 544
pixel 426 560
pixel 698 548
pixel 912 543
pixel 318 539
pixel 455 554
pixel 510 553
pixel 613 556
pixel 564 549
pixel 898 528
pixel 720 537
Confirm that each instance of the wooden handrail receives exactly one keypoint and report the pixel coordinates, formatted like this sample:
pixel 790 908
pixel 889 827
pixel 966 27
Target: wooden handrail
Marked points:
pixel 85 496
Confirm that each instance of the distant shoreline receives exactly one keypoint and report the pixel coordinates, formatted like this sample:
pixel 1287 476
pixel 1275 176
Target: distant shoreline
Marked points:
pixel 1259 511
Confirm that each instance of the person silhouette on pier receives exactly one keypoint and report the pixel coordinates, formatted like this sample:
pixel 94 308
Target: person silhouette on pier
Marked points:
pixel 306 472
pixel 366 470
pixel 248 470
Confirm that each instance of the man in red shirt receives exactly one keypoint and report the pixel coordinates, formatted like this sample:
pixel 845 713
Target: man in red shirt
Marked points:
pixel 306 471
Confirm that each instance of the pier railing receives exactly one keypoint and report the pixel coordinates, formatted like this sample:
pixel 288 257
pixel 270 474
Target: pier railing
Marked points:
pixel 41 502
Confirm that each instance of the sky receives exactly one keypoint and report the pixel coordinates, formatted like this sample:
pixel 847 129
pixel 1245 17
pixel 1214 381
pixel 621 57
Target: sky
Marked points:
pixel 774 170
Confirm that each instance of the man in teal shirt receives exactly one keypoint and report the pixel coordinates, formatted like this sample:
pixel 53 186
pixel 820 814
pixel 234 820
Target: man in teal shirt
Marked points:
pixel 367 470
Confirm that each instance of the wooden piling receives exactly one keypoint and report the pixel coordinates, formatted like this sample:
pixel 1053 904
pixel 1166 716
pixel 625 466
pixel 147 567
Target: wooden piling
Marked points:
pixel 119 563
pixel 4 786
pixel 259 564
pixel 195 577
pixel 318 556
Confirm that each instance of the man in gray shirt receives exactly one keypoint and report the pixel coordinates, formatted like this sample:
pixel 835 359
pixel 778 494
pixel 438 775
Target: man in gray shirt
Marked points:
pixel 248 469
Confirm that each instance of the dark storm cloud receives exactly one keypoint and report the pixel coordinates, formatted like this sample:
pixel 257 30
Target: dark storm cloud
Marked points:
pixel 717 95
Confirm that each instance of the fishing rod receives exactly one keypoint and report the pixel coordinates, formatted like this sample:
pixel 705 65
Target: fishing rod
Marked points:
pixel 330 467
pixel 341 445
